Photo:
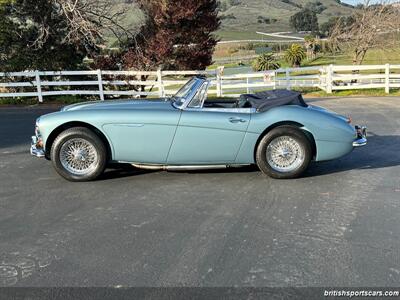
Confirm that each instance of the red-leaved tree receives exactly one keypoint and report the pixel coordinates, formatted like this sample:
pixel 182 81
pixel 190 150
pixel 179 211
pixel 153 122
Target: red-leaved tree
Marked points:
pixel 178 35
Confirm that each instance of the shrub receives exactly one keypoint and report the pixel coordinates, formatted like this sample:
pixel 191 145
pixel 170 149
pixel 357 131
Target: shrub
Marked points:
pixel 265 62
pixel 295 54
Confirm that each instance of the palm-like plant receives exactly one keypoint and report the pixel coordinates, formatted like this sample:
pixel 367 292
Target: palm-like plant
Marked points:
pixel 295 54
pixel 265 62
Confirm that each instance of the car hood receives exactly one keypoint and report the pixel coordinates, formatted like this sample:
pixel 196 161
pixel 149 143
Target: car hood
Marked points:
pixel 158 104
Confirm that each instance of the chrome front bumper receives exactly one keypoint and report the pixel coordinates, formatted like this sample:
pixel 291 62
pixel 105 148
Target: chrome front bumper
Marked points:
pixel 36 149
pixel 361 136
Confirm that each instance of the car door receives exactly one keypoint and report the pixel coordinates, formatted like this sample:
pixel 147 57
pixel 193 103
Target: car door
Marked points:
pixel 208 137
pixel 144 133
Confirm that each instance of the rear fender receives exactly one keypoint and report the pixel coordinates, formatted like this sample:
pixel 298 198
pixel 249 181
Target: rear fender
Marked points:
pixel 333 136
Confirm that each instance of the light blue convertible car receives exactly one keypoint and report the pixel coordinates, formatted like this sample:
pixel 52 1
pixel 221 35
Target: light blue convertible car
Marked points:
pixel 275 130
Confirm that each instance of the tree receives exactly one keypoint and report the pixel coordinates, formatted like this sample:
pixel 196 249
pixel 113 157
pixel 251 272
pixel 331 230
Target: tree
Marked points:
pixel 222 6
pixel 88 20
pixel 326 28
pixel 25 45
pixel 317 6
pixel 295 54
pixel 371 26
pixel 265 62
pixel 312 45
pixel 305 20
pixel 50 34
pixel 178 35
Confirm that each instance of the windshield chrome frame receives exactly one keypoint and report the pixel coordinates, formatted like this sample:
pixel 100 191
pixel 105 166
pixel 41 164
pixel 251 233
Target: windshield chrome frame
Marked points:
pixel 205 86
pixel 199 83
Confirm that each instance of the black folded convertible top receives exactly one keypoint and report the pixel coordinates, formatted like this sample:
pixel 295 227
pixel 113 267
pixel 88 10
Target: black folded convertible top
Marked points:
pixel 264 101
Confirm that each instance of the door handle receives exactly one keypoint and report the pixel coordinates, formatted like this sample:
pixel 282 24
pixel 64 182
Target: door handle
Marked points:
pixel 237 120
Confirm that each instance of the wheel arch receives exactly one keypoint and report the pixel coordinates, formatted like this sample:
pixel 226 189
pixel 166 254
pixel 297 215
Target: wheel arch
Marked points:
pixel 57 131
pixel 298 125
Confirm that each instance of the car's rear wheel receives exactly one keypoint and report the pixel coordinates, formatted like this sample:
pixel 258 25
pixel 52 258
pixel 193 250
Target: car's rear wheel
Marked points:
pixel 78 154
pixel 284 153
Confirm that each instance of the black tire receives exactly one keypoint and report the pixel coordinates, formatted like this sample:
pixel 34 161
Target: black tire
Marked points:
pixel 97 150
pixel 301 162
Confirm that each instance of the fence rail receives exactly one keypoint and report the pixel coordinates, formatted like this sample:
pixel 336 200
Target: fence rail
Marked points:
pixel 112 84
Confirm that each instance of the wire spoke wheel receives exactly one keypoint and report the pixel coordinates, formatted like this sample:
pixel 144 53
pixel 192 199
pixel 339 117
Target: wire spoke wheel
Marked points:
pixel 79 156
pixel 285 154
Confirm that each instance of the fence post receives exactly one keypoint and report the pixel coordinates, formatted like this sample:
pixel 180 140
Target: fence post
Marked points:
pixel 161 91
pixel 219 73
pixel 329 81
pixel 387 78
pixel 274 74
pixel 321 71
pixel 39 86
pixel 288 79
pixel 100 80
pixel 247 85
pixel 218 83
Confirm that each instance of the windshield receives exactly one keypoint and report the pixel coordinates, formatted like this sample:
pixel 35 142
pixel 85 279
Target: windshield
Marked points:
pixel 182 94
pixel 198 99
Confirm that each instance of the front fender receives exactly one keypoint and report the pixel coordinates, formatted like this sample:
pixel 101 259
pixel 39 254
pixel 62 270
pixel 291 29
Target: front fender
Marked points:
pixel 50 123
pixel 123 129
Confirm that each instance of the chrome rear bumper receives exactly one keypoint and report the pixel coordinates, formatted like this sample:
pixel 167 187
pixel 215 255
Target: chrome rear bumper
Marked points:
pixel 361 136
pixel 36 149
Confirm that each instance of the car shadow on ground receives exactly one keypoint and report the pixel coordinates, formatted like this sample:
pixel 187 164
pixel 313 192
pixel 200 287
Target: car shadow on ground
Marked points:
pixel 126 170
pixel 115 171
pixel 381 152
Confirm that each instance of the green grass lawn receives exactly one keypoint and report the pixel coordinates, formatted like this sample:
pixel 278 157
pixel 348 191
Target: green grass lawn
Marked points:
pixel 229 35
pixel 373 57
pixel 282 62
pixel 228 65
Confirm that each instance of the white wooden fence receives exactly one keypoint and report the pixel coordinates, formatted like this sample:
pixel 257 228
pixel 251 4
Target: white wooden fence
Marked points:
pixel 113 84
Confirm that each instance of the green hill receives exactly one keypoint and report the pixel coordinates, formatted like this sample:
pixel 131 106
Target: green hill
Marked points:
pixel 242 18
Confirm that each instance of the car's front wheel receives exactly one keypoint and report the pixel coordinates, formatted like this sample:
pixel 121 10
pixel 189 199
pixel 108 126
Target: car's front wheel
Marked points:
pixel 284 153
pixel 78 154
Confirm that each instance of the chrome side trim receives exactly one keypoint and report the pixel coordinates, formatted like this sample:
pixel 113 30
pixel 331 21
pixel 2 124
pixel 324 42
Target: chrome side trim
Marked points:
pixel 186 167
pixel 128 125
pixel 225 110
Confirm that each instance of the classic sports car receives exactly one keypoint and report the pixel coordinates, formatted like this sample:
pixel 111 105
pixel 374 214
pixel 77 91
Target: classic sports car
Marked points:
pixel 276 130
